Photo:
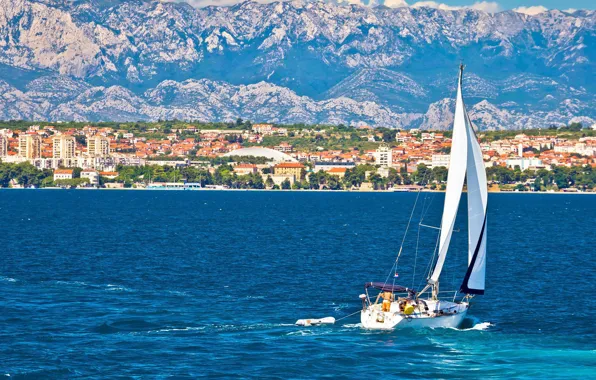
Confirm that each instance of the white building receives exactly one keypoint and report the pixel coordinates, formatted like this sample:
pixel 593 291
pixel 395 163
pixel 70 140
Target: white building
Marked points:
pixel 244 169
pixel 62 174
pixel 565 148
pixel 284 147
pixel 3 146
pixel 523 163
pixel 92 175
pixel 98 146
pixel 29 145
pixel 63 146
pixel 328 165
pixel 440 160
pixel 263 129
pixel 383 155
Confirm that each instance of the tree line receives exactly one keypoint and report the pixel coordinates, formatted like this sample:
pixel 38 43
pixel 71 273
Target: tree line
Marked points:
pixel 560 177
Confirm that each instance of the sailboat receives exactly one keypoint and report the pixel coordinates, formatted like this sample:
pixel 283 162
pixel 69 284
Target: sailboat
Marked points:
pixel 397 306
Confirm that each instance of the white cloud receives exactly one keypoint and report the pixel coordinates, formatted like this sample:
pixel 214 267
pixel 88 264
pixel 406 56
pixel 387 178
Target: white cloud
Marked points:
pixel 532 11
pixel 435 5
pixel 570 10
pixel 485 6
pixel 395 3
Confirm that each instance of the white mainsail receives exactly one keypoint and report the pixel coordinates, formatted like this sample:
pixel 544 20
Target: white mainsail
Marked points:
pixel 477 203
pixel 455 179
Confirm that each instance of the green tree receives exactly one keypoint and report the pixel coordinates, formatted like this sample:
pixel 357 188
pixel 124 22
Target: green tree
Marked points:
pixel 76 172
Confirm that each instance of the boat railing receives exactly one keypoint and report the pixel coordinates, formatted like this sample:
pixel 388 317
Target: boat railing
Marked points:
pixel 443 294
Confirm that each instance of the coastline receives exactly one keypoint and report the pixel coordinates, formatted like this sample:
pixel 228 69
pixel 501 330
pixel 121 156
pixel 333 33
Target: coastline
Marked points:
pixel 302 190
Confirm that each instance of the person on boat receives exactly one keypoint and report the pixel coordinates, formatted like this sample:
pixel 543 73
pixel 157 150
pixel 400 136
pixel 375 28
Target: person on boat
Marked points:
pixel 387 298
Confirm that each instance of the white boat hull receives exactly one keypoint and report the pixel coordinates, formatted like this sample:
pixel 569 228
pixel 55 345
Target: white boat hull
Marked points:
pixel 376 319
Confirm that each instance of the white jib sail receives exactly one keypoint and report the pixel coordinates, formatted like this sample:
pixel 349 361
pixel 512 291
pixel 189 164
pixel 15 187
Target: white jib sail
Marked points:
pixel 477 203
pixel 455 180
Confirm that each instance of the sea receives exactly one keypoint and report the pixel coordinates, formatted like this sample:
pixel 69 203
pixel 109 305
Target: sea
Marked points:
pixel 190 284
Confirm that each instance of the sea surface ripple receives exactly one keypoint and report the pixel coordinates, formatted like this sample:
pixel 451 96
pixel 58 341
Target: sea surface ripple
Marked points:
pixel 124 284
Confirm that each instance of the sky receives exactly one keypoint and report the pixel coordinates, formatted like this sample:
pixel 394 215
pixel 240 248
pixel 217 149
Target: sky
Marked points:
pixel 525 6
pixel 550 4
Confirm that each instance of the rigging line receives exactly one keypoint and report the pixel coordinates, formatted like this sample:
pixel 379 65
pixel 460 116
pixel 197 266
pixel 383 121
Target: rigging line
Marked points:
pixel 422 213
pixel 407 227
pixel 416 257
pixel 339 319
pixel 456 261
pixel 394 266
pixel 426 225
pixel 430 263
pixel 429 206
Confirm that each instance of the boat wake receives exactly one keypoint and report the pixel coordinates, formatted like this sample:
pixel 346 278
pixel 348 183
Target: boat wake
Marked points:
pixel 174 329
pixel 479 326
pixel 472 324
pixel 216 327
pixel 309 332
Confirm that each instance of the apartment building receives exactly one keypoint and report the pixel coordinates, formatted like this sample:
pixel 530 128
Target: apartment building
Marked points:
pixel 98 146
pixel 383 156
pixel 63 146
pixel 29 146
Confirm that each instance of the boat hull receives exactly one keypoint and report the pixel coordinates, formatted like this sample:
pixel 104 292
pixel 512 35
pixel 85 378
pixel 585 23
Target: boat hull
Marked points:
pixel 375 319
pixel 452 321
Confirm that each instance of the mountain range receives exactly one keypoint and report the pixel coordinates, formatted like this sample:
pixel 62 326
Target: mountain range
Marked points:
pixel 293 62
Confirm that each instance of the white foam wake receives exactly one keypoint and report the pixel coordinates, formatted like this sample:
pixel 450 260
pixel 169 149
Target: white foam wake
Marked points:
pixel 176 329
pixel 352 325
pixel 482 326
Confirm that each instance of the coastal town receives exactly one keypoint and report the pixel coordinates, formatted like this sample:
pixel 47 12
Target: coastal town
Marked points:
pixel 243 155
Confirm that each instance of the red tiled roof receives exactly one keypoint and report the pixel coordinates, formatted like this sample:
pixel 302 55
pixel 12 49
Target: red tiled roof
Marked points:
pixel 288 165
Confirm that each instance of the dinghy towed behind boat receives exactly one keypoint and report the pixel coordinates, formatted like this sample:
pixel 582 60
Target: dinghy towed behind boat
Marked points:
pixel 396 306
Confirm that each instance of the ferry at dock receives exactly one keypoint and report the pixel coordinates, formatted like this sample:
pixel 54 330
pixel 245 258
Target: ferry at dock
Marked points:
pixel 182 186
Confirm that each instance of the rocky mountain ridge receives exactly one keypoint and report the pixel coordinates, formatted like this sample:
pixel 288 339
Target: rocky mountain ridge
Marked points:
pixel 296 61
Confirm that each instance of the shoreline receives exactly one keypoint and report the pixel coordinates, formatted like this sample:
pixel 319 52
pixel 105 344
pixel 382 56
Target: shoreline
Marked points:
pixel 302 190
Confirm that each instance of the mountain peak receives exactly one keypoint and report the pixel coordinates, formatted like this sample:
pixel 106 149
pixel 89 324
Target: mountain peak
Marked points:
pixel 312 56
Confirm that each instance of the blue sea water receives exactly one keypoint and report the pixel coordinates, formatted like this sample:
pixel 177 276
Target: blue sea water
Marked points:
pixel 143 284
